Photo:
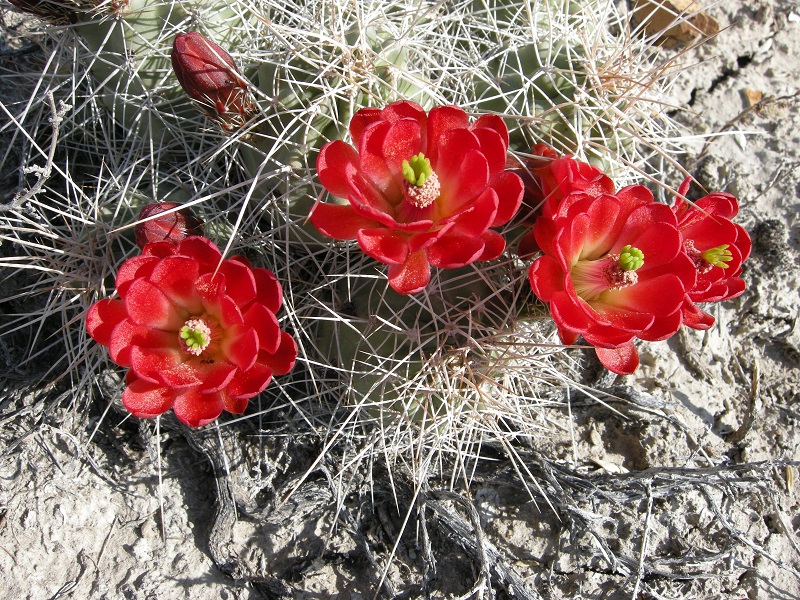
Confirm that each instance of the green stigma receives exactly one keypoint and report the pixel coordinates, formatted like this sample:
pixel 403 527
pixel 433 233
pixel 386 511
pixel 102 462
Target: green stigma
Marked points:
pixel 631 259
pixel 719 256
pixel 195 336
pixel 417 169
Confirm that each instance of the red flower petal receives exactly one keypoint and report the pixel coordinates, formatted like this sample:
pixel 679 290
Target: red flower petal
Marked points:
pixel 269 292
pixel 159 249
pixel 546 277
pixel 659 296
pixel 241 259
pixel 282 361
pixel 368 200
pixel 462 169
pixel 696 318
pixel 216 302
pixel 240 284
pixel 492 146
pixel 476 217
pixel 242 349
pixel 227 312
pixel 454 250
pixel 151 363
pixel 205 375
pixel 494 244
pixel 360 121
pixel 132 269
pixel 421 241
pixel 175 276
pixel 567 337
pixel 545 232
pixel 607 337
pixel 253 381
pixel 388 247
pixel 144 399
pixel 619 318
pixel 495 123
pixel 509 189
pixel 647 230
pixel 441 120
pixel 210 287
pixel 103 317
pixel 265 324
pixel 402 141
pixel 591 233
pixel 622 360
pixel 662 328
pixel 567 312
pixel 196 409
pixel 412 276
pixel 232 405
pixel 339 222
pixel 147 305
pixel 202 250
pixel 127 335
pixel 373 161
pixel 336 163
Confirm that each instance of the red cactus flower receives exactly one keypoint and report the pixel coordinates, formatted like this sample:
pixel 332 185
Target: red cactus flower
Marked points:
pixel 199 333
pixel 209 76
pixel 613 270
pixel 551 177
pixel 716 246
pixel 422 189
pixel 548 179
pixel 172 227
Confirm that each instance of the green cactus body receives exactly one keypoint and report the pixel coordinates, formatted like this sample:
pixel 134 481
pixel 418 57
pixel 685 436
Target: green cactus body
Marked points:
pixel 396 359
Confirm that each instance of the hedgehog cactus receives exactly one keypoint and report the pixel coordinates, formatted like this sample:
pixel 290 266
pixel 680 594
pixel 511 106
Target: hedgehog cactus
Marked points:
pixel 289 76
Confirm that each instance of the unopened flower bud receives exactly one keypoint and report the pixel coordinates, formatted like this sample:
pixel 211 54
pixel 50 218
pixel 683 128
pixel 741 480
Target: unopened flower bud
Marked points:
pixel 209 76
pixel 172 227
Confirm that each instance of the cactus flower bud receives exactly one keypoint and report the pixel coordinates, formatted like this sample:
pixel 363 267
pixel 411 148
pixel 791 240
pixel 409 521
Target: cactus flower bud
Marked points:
pixel 209 76
pixel 172 227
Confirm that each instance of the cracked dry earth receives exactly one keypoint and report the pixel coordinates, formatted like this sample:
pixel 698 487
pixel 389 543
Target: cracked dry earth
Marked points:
pixel 681 484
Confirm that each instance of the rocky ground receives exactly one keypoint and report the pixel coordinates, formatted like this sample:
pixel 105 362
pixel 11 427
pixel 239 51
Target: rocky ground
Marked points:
pixel 677 482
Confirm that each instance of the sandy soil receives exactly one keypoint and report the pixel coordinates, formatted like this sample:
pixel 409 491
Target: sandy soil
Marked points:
pixel 682 484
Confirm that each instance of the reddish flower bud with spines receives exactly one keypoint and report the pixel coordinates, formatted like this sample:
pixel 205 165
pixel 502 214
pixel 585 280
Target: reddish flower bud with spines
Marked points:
pixel 209 76
pixel 158 224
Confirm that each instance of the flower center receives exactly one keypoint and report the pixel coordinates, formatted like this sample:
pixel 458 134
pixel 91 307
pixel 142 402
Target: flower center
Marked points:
pixel 613 272
pixel 719 256
pixel 195 336
pixel 421 187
